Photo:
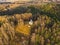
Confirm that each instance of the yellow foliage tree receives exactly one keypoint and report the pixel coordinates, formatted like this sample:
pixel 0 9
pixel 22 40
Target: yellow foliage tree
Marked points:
pixel 26 16
pixel 23 29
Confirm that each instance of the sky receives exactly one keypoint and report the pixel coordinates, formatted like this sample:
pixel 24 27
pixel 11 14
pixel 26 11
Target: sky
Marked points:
pixel 12 0
pixel 15 0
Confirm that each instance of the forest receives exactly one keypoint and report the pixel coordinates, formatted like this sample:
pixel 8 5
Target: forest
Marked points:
pixel 30 25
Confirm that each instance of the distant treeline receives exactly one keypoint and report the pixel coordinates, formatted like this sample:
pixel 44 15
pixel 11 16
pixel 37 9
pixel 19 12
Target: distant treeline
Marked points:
pixel 51 10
